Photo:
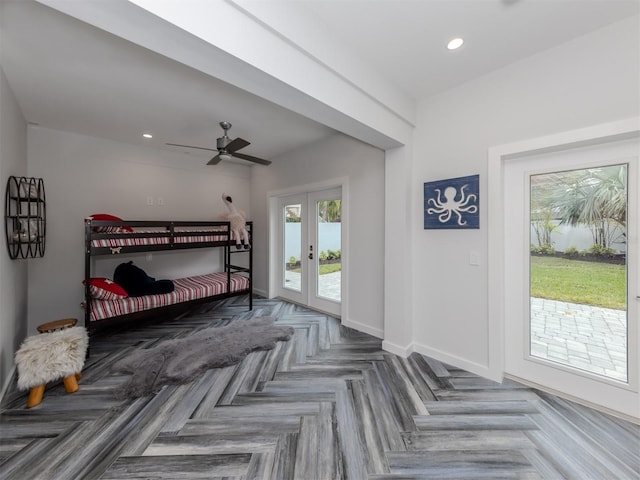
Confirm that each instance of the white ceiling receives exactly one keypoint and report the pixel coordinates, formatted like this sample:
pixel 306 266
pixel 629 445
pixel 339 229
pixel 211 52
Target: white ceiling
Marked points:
pixel 71 76
pixel 406 39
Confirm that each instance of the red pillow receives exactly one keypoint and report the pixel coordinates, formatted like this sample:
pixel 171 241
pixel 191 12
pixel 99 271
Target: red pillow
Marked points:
pixel 105 289
pixel 113 218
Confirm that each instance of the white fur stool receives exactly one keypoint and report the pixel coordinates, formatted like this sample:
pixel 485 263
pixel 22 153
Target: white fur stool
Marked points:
pixel 48 357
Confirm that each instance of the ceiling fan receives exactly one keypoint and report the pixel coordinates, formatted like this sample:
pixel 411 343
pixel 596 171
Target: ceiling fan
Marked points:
pixel 227 148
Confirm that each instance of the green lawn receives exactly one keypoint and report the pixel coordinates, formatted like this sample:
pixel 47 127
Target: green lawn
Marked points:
pixel 325 268
pixel 330 268
pixel 576 281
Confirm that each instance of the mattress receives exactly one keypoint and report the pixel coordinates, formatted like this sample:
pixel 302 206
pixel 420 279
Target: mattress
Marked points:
pixel 156 237
pixel 186 289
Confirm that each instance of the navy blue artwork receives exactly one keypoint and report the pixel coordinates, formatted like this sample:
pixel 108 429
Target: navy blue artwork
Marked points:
pixel 452 203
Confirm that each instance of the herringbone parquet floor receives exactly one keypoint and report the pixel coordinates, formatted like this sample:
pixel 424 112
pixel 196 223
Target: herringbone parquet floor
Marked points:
pixel 329 404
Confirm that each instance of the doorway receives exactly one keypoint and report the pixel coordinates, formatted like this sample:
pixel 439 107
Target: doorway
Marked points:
pixel 571 272
pixel 310 249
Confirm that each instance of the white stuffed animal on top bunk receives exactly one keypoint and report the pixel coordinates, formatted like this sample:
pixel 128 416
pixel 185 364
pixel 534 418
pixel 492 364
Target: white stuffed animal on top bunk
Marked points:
pixel 237 219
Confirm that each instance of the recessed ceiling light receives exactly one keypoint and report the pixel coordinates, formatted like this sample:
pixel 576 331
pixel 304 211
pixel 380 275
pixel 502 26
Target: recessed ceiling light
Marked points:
pixel 455 43
pixel 147 135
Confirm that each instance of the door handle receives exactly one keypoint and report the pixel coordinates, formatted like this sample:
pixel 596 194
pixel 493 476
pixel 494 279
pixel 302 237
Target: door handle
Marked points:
pixel 311 256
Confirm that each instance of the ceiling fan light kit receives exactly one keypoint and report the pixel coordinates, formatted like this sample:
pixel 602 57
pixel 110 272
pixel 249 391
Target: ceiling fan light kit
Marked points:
pixel 227 148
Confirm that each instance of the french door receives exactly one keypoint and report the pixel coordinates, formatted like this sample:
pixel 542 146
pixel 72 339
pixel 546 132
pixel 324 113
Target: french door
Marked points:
pixel 310 239
pixel 571 273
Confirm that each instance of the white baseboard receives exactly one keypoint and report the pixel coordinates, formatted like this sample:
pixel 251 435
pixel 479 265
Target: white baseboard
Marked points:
pixel 361 327
pixel 577 400
pixel 260 292
pixel 469 366
pixel 403 352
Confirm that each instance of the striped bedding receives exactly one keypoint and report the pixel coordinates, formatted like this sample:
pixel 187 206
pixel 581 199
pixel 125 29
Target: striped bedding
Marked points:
pixel 161 238
pixel 189 288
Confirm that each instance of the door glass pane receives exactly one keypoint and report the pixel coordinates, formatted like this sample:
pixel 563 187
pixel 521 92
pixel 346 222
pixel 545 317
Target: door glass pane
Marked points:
pixel 329 249
pixel 578 269
pixel 292 246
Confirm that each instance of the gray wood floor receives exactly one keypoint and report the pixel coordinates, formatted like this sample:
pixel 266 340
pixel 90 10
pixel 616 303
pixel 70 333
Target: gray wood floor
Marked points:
pixel 329 404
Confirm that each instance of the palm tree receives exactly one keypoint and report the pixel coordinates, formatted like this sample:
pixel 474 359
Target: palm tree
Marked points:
pixel 330 210
pixel 542 207
pixel 608 197
pixel 595 197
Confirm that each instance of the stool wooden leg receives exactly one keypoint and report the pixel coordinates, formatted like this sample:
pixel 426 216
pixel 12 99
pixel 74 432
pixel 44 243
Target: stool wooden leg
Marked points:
pixel 78 376
pixel 70 384
pixel 35 396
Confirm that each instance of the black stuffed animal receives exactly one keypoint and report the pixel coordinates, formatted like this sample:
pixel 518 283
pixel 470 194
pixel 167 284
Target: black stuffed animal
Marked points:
pixel 136 282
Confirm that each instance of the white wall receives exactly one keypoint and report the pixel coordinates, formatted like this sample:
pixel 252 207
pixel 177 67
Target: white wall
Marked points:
pixel 338 156
pixel 591 80
pixel 13 273
pixel 85 175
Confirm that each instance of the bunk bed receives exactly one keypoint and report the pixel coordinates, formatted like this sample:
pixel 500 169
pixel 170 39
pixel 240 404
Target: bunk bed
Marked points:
pixel 115 237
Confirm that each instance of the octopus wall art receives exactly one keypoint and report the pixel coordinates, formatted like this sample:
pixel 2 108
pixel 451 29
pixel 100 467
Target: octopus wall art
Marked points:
pixel 452 203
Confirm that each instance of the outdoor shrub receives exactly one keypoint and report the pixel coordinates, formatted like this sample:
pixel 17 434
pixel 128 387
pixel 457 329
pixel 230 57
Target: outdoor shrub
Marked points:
pixel 293 261
pixel 571 251
pixel 545 249
pixel 599 250
pixel 331 255
pixel 323 256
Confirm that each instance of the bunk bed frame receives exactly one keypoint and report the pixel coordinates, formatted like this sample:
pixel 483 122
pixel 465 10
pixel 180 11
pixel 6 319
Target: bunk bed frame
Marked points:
pixel 107 237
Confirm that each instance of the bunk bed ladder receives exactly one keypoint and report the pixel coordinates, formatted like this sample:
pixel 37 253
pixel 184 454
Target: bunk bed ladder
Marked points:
pixel 229 267
pixel 251 267
pixel 87 281
pixel 87 274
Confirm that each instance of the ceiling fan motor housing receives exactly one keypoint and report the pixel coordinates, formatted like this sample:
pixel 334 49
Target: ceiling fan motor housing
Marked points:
pixel 222 143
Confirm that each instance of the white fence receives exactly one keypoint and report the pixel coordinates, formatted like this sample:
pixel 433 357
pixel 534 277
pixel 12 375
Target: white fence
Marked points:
pixel 580 237
pixel 328 233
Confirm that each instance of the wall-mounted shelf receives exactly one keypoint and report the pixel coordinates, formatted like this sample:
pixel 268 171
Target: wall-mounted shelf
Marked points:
pixel 25 217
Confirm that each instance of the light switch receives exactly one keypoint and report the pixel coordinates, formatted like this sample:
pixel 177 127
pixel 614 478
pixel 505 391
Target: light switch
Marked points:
pixel 474 259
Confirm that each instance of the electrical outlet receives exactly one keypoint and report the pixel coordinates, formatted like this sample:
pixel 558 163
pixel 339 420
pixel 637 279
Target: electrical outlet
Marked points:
pixel 149 200
pixel 474 259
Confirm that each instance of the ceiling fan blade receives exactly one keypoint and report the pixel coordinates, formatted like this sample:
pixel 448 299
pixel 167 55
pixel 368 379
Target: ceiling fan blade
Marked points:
pixel 252 159
pixel 191 146
pixel 214 161
pixel 236 144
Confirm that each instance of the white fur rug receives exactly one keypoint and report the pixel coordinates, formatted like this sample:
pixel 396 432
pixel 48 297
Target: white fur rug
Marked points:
pixel 182 360
pixel 47 357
